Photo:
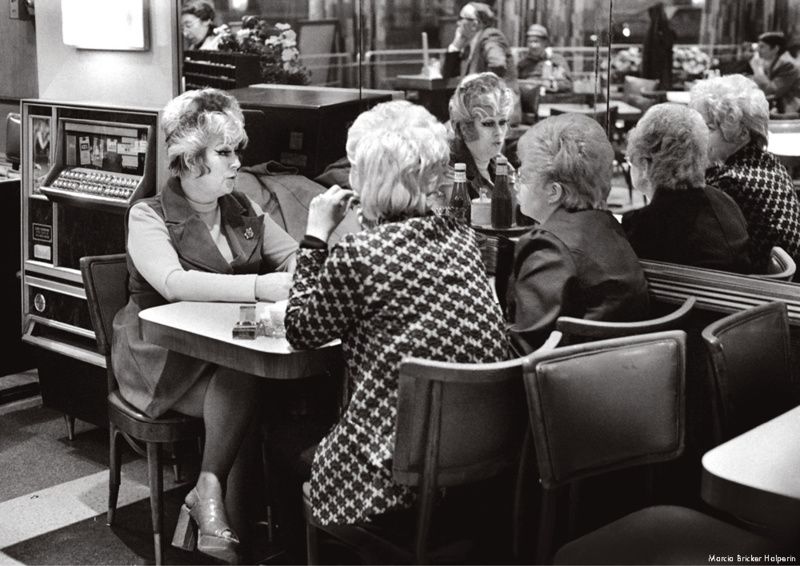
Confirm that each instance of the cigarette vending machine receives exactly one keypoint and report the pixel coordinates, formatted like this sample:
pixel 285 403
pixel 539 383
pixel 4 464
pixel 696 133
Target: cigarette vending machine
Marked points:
pixel 82 167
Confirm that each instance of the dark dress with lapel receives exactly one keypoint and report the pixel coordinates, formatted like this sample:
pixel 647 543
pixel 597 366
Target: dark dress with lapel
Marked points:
pixel 579 264
pixel 701 227
pixel 153 378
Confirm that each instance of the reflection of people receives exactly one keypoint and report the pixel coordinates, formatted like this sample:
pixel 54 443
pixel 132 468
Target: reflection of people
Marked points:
pixel 478 46
pixel 413 285
pixel 687 221
pixel 200 241
pixel 657 47
pixel 737 114
pixel 542 64
pixel 197 24
pixel 742 63
pixel 576 261
pixel 776 73
pixel 479 113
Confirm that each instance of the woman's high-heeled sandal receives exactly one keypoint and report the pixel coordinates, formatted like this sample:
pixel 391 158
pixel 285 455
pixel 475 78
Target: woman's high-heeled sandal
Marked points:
pixel 202 524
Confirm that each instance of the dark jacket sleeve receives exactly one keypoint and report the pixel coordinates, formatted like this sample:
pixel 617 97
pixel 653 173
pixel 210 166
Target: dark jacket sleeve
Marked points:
pixel 545 280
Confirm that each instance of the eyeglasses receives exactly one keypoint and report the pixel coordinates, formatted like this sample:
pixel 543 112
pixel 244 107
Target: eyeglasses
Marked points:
pixel 462 19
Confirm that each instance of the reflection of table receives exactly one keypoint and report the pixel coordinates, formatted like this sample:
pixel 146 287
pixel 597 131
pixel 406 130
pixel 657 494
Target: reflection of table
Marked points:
pixel 203 330
pixel 434 94
pixel 625 111
pixel 678 96
pixel 756 476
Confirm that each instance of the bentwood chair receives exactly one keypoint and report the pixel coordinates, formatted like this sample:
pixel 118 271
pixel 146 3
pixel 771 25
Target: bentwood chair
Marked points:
pixel 751 368
pixel 610 405
pixel 105 279
pixel 781 266
pixel 457 424
pixel 575 330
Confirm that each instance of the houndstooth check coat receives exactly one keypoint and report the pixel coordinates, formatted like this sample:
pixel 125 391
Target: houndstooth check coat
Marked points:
pixel 416 287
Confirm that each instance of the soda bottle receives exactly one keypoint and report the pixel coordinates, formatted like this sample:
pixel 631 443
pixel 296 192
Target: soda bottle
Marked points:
pixel 502 208
pixel 459 205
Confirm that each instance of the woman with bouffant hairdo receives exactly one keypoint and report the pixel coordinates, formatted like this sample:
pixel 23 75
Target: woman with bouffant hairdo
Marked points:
pixel 200 240
pixel 412 284
pixel 479 117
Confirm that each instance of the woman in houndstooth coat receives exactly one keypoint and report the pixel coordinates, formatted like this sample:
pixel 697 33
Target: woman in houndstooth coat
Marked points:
pixel 412 284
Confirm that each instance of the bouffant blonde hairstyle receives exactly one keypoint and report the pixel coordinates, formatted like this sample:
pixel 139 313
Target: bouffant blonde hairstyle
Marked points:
pixel 734 105
pixel 477 96
pixel 193 121
pixel 674 139
pixel 396 162
pixel 572 150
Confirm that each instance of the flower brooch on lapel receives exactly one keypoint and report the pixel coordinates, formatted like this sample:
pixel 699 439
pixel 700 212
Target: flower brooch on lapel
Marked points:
pixel 248 233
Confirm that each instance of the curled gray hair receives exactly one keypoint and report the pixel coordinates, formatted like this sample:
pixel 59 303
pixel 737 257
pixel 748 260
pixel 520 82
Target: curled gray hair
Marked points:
pixel 674 140
pixel 572 150
pixel 735 105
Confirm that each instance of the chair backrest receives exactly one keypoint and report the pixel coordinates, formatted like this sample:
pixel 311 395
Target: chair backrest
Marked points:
pixel 781 265
pixel 606 405
pixel 529 96
pixel 456 424
pixel 581 330
pixel 255 124
pixel 751 368
pixel 13 139
pixel 105 278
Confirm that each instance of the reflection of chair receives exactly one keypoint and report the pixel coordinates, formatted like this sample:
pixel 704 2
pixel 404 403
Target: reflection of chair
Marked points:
pixel 457 424
pixel 611 405
pixel 577 330
pixel 529 101
pixel 751 367
pixel 316 37
pixel 13 140
pixel 781 265
pixel 105 279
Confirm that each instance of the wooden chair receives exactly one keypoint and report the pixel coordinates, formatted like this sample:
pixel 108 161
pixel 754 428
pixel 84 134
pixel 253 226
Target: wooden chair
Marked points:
pixel 457 424
pixel 105 279
pixel 751 368
pixel 781 266
pixel 610 405
pixel 576 330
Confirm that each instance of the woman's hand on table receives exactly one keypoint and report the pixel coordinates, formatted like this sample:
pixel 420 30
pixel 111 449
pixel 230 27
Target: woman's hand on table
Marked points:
pixel 327 210
pixel 273 286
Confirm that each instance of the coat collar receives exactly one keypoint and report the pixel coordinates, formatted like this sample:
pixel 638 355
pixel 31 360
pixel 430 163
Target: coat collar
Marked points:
pixel 191 237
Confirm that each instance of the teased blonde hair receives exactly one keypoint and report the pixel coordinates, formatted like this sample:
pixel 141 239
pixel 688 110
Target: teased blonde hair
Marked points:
pixel 477 96
pixel 194 120
pixel 396 163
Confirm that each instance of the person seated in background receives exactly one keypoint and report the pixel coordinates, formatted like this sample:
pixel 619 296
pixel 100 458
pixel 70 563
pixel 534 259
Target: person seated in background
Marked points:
pixel 737 115
pixel 198 240
pixel 478 46
pixel 479 116
pixel 197 25
pixel 412 284
pixel 687 221
pixel 576 261
pixel 776 72
pixel 541 64
pixel 741 65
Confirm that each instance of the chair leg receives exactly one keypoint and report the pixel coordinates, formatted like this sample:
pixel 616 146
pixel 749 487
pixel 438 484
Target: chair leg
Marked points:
pixel 547 524
pixel 156 479
pixel 69 420
pixel 312 544
pixel 114 470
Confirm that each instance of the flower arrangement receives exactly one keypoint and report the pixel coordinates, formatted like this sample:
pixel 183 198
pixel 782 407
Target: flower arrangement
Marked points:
pixel 690 60
pixel 624 62
pixel 275 45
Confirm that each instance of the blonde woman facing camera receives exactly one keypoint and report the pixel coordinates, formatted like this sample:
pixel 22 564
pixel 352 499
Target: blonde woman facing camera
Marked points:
pixel 199 240
pixel 411 285
pixel 576 261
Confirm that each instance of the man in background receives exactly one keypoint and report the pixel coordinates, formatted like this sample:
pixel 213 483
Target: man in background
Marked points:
pixel 541 64
pixel 776 73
